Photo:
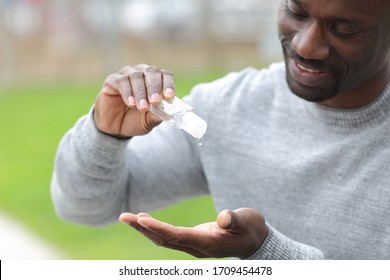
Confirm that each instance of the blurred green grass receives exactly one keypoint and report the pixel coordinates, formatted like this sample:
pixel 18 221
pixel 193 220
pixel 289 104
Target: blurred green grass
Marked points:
pixel 33 119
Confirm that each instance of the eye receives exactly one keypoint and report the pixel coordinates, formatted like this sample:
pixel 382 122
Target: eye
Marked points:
pixel 295 11
pixel 344 30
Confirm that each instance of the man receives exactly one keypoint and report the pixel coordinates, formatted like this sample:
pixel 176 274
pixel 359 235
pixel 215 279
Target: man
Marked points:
pixel 300 150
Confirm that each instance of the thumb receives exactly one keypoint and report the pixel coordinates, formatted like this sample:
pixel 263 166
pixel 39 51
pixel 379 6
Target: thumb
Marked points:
pixel 227 219
pixel 239 219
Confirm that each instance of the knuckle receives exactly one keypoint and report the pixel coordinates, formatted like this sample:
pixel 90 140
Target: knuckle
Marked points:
pixel 169 79
pixel 153 84
pixel 139 94
pixel 177 240
pixel 115 79
pixel 153 78
pixel 141 66
pixel 152 70
pixel 122 77
pixel 164 242
pixel 166 72
pixel 126 69
pixel 106 85
pixel 136 74
pixel 110 78
pixel 160 242
pixel 108 82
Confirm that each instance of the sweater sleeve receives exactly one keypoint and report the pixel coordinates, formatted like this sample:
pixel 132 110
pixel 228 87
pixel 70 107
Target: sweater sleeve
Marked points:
pixel 89 179
pixel 97 177
pixel 279 247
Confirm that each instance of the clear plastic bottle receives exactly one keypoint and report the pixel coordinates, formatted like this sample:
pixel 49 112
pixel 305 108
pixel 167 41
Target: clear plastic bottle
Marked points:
pixel 179 114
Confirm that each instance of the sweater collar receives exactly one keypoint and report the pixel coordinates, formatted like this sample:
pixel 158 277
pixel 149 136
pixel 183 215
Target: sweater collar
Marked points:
pixel 370 114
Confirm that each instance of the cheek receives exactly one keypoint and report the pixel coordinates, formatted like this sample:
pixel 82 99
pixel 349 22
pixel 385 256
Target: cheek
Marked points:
pixel 360 65
pixel 361 60
pixel 284 22
pixel 285 29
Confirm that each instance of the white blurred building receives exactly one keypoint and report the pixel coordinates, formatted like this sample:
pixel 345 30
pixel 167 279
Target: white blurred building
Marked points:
pixel 51 36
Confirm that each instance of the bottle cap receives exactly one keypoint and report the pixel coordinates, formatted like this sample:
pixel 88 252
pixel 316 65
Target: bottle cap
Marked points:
pixel 193 124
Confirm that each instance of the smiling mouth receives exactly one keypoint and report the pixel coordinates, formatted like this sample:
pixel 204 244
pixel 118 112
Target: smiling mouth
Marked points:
pixel 309 76
pixel 309 70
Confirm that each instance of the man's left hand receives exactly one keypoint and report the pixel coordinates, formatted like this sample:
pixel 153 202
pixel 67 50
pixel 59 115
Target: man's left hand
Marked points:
pixel 238 233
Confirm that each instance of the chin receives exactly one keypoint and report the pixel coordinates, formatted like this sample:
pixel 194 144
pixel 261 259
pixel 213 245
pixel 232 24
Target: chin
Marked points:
pixel 311 94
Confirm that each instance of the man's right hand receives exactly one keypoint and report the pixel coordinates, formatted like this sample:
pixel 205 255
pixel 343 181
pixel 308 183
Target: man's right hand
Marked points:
pixel 122 106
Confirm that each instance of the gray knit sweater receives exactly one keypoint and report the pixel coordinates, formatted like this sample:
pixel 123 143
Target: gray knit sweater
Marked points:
pixel 320 176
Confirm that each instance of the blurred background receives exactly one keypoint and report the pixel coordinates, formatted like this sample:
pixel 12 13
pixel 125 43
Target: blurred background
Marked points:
pixel 54 56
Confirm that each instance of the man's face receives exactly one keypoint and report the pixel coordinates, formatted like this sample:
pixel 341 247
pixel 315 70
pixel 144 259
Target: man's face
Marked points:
pixel 333 46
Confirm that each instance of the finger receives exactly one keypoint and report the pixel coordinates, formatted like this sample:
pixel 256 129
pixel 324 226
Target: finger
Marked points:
pixel 128 218
pixel 224 219
pixel 132 220
pixel 179 236
pixel 237 221
pixel 230 220
pixel 139 90
pixel 169 90
pixel 153 82
pixel 175 236
pixel 125 90
pixel 207 240
pixel 162 242
pixel 110 85
pixel 165 230
pixel 142 214
pixel 162 239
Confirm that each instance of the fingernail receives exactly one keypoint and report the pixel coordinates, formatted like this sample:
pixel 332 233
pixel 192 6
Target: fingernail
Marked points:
pixel 131 100
pixel 141 222
pixel 123 220
pixel 169 92
pixel 155 98
pixel 143 104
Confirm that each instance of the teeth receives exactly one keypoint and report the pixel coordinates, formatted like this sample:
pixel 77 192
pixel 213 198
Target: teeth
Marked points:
pixel 308 69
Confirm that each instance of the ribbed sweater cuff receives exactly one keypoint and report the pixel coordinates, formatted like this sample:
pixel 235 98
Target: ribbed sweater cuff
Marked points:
pixel 278 247
pixel 100 145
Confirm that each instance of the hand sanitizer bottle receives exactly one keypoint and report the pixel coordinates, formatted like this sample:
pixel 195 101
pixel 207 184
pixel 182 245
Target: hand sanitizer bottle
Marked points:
pixel 179 114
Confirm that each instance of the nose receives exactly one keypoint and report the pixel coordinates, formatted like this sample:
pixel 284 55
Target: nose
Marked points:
pixel 310 43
